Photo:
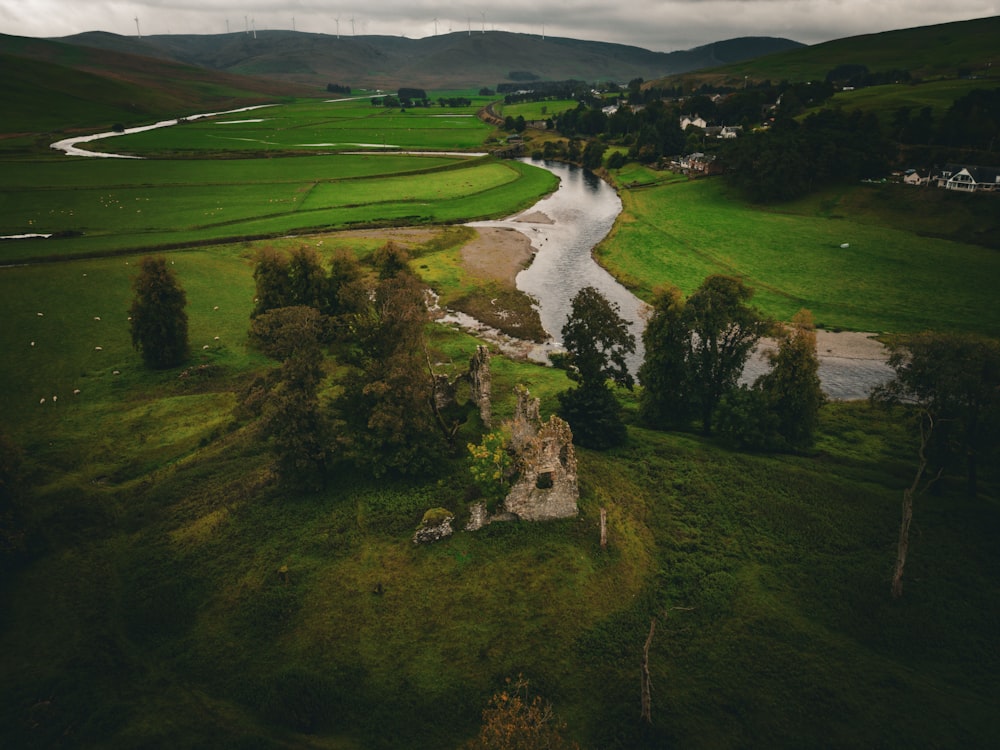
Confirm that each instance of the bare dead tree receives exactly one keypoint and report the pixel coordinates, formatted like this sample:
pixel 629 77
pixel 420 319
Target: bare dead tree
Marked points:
pixel 914 490
pixel 646 710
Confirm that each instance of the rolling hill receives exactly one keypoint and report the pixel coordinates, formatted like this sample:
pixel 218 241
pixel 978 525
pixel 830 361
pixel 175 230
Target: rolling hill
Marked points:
pixel 966 48
pixel 455 60
pixel 60 86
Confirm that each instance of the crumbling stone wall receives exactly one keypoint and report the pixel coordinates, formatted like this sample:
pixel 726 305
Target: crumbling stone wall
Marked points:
pixel 478 377
pixel 546 487
pixel 481 380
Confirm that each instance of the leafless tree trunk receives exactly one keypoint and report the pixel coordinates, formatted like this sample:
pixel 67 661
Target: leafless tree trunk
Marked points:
pixel 645 712
pixel 903 545
pixel 604 529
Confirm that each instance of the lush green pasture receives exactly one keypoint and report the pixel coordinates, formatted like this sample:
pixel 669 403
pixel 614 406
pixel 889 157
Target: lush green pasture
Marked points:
pixel 538 110
pixel 132 204
pixel 885 100
pixel 313 125
pixel 888 279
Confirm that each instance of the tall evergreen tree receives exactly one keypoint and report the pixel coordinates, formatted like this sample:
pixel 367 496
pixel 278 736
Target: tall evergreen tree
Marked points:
pixel 157 320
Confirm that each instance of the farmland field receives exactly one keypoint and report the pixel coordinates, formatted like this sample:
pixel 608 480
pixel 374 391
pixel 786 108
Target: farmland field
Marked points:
pixel 98 205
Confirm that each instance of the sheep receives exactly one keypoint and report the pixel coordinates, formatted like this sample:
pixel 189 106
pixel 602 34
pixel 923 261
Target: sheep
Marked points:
pixel 116 372
pixel 98 348
pixel 76 391
pixel 54 399
pixel 42 400
pixel 97 317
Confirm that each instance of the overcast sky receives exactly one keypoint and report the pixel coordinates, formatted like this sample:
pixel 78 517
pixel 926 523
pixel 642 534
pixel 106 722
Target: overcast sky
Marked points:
pixel 661 25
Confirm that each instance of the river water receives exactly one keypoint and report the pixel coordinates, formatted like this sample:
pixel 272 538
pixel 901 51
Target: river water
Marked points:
pixel 564 229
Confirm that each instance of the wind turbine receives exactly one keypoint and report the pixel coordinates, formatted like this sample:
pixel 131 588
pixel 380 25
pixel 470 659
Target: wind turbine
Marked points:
pixel 352 25
pixel 253 25
pixel 483 14
pixel 338 26
pixel 435 27
pixel 138 33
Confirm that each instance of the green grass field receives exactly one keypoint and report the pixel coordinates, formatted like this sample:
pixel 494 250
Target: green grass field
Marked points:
pixel 147 609
pixel 889 279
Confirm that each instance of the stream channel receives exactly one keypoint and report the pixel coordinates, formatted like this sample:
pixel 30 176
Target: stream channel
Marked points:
pixel 565 227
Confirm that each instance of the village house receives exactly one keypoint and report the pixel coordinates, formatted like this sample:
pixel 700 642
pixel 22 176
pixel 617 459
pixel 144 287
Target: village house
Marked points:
pixel 969 179
pixel 687 120
pixel 913 177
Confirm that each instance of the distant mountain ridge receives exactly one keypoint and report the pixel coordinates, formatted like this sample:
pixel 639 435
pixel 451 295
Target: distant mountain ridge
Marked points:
pixel 454 60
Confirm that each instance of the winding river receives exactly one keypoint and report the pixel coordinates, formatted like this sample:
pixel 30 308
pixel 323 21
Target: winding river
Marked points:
pixel 565 227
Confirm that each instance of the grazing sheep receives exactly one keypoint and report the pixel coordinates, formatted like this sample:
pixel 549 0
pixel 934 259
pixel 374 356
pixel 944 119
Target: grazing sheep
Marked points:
pixel 32 343
pixel 116 372
pixel 54 399
pixel 205 346
pixel 41 315
pixel 41 401
pixel 98 348
pixel 97 317
pixel 76 391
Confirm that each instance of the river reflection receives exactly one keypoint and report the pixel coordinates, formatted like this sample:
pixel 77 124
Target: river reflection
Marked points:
pixel 565 227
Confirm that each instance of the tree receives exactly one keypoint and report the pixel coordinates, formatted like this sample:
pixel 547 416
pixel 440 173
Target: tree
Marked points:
pixel 792 387
pixel 955 379
pixel 288 402
pixel 386 403
pixel 597 342
pixel 273 285
pixel 724 331
pixel 512 721
pixel 157 320
pixel 952 383
pixel 664 400
pixel 781 410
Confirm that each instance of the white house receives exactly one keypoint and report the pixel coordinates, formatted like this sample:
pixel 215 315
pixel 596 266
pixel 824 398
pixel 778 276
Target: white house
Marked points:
pixel 698 122
pixel 969 179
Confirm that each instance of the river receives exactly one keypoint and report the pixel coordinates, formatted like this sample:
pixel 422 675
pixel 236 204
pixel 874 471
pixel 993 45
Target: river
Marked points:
pixel 565 227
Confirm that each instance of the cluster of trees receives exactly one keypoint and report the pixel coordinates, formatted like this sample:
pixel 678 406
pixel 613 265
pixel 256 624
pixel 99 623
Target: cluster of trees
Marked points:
pixel 858 76
pixel 384 418
pixel 695 353
pixel 336 88
pixel 543 91
pixel 792 158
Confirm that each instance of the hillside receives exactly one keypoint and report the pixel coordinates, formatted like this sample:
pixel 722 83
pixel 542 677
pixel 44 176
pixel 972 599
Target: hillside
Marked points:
pixel 59 86
pixel 928 52
pixel 456 60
